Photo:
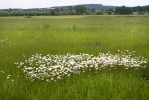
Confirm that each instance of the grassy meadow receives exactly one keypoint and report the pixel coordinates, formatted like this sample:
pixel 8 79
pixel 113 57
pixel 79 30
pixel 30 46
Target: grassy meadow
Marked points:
pixel 21 37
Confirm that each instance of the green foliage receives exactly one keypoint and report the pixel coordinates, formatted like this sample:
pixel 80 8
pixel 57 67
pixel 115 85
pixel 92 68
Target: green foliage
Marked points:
pixel 53 12
pixel 74 34
pixel 140 9
pixel 93 10
pixel 25 14
pixel 70 9
pixel 62 9
pixel 28 17
pixel 99 13
pixel 141 12
pixel 109 11
pixel 81 9
pixel 123 10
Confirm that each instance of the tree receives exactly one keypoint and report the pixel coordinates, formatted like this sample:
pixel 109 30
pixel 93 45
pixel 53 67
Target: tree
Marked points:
pixel 70 9
pixel 52 12
pixel 10 10
pixel 80 9
pixel 57 10
pixel 123 10
pixel 140 8
pixel 62 9
pixel 109 11
pixel 93 10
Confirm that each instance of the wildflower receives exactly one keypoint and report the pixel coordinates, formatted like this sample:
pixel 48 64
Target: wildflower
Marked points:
pixel 130 75
pixel 127 50
pixel 72 62
pixel 126 68
pixel 59 77
pixel 50 66
pixel 2 71
pixel 75 71
pixel 68 75
pixel 52 79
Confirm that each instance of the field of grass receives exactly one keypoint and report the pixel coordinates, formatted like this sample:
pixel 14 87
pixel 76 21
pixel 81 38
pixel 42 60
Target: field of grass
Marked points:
pixel 21 37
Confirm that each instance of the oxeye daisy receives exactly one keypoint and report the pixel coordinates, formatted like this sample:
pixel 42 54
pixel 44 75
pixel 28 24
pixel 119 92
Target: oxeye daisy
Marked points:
pixel 52 66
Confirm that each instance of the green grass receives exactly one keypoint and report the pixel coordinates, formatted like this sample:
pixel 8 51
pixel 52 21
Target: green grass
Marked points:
pixel 74 34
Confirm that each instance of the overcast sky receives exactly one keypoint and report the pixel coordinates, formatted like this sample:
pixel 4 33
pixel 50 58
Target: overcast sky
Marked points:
pixel 50 3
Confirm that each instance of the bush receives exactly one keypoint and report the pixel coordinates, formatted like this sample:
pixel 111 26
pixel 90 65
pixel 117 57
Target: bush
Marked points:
pixel 141 12
pixel 28 17
pixel 53 13
pixel 99 13
pixel 123 10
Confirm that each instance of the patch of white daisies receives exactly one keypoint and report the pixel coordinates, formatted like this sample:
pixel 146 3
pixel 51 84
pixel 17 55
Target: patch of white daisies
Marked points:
pixel 53 67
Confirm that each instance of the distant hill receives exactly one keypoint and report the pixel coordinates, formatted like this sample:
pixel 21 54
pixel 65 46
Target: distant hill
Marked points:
pixel 99 6
pixel 89 7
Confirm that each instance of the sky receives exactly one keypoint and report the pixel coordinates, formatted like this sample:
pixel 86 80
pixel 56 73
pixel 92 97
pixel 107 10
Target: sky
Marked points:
pixel 4 4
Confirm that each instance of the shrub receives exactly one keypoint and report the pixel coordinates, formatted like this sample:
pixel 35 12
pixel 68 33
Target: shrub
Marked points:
pixel 28 17
pixel 99 13
pixel 141 12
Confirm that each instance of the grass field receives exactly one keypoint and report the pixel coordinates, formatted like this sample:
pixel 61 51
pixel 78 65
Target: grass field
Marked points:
pixel 21 37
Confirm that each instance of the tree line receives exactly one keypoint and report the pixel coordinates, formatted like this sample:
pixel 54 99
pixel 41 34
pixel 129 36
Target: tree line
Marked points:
pixel 140 8
pixel 123 10
pixel 74 10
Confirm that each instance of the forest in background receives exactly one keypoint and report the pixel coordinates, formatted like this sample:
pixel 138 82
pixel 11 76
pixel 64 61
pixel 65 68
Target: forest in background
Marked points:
pixel 88 9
